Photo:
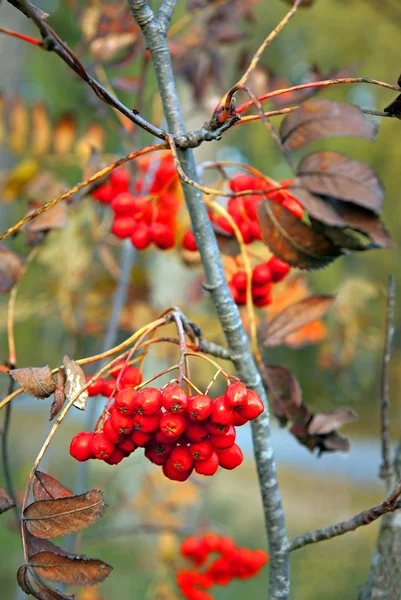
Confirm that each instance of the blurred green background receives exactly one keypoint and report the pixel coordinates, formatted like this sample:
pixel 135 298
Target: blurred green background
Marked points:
pixel 343 370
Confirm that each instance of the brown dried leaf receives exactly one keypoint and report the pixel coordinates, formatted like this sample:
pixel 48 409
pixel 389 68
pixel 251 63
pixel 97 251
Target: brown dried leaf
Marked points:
pixel 365 222
pixel 333 174
pixel 394 108
pixel 286 394
pixel 23 581
pixel 45 487
pixel 34 545
pixel 72 571
pixel 340 236
pixel 294 317
pixel 53 218
pixel 64 135
pixel 35 381
pixel 41 130
pixel 5 501
pixel 10 269
pixel 326 422
pixel 75 381
pixel 320 118
pixel 105 48
pixel 32 586
pixel 291 240
pixel 51 518
pixel 333 442
pixel 59 395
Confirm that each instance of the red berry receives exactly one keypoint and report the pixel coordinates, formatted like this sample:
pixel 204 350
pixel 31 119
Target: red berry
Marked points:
pixel 172 424
pixel 171 473
pixel 162 438
pixel 119 179
pixel 279 269
pixel 221 413
pixel 253 406
pixel 238 421
pixel 125 401
pixel 108 430
pixel 131 377
pixel 124 204
pixel 230 458
pixel 265 299
pixel 238 280
pixel 147 424
pixel 127 445
pixel 292 205
pixel 101 446
pixel 109 385
pixel 261 274
pixel 123 226
pixel 217 428
pixel 201 450
pixel 196 432
pixel 189 242
pixel 220 571
pixel 140 237
pixel 242 181
pixel 104 194
pixel 236 395
pixel 226 546
pixel 190 546
pixel 149 401
pixel 140 438
pixel 174 399
pixel 117 368
pixel 224 441
pixel 95 388
pixel 199 407
pixel 158 453
pixel 80 447
pixel 115 457
pixel 121 423
pixel 212 541
pixel 162 236
pixel 181 458
pixel 209 466
pixel 259 558
pixel 234 292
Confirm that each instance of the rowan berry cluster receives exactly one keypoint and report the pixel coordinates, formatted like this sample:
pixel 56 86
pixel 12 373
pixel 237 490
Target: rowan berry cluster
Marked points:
pixel 232 563
pixel 130 377
pixel 180 433
pixel 144 211
pixel 264 276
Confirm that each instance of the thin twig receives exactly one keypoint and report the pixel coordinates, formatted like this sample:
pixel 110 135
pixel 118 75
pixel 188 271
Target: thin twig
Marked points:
pixel 165 13
pixel 4 446
pixel 386 469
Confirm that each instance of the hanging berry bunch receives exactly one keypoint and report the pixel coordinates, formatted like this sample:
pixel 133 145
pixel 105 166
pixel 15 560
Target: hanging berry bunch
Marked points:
pixel 231 563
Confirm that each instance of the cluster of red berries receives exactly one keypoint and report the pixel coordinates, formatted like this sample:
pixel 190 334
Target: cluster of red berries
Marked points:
pixel 146 213
pixel 180 433
pixel 232 563
pixel 264 276
pixel 130 377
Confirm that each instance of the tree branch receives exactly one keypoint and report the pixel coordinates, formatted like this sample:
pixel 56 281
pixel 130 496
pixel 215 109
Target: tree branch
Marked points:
pixel 226 308
pixel 165 13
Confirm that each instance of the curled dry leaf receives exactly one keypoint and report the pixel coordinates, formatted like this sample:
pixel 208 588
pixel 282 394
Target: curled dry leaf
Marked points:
pixel 51 518
pixel 59 394
pixel 35 381
pixel 78 570
pixel 394 108
pixel 320 118
pixel 327 422
pixel 45 487
pixel 75 380
pixel 31 585
pixel 294 317
pixel 291 240
pixel 10 269
pixel 286 393
pixel 5 501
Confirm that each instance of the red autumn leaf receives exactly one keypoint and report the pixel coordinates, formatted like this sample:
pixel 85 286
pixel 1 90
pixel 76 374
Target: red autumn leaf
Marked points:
pixel 45 487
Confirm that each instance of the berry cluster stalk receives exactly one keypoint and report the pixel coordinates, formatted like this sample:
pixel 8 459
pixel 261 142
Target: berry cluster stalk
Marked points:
pixel 227 311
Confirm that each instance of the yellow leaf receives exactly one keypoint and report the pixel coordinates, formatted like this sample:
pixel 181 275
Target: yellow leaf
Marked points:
pixel 18 178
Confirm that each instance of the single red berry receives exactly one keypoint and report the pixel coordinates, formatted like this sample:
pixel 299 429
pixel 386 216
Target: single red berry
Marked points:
pixel 226 546
pixel 125 401
pixel 279 269
pixel 261 274
pixel 140 438
pixel 217 428
pixel 117 368
pixel 181 458
pixel 127 445
pixel 235 395
pixel 101 446
pixel 104 194
pixel 149 401
pixel 174 399
pixel 172 424
pixel 147 424
pixel 220 571
pixel 123 204
pixel 201 450
pixel 262 291
pixel 265 299
pixel 109 385
pixel 161 438
pixel 196 432
pixel 162 236
pixel 221 412
pixel 131 377
pixel 224 441
pixel 115 457
pixel 212 541
pixel 80 447
pixel 123 226
pixel 171 472
pixel 199 407
pixel 242 181
pixel 158 453
pixel 238 421
pixel 259 558
pixel 140 237
pixel 189 242
pixel 108 430
pixel 119 179
pixel 238 280
pixel 253 407
pixel 247 231
pixel 230 458
pixel 121 423
pixel 292 205
pixel 96 388
pixel 209 466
